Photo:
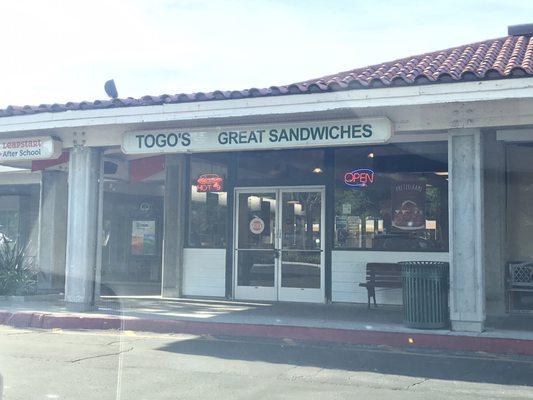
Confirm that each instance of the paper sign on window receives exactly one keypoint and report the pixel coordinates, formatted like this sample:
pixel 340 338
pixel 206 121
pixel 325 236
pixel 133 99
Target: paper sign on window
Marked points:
pixel 408 206
pixel 143 241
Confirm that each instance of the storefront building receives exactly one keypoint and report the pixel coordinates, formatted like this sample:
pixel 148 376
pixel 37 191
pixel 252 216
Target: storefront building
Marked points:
pixel 286 193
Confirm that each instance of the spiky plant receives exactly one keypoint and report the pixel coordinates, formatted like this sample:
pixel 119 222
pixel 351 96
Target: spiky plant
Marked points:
pixel 17 275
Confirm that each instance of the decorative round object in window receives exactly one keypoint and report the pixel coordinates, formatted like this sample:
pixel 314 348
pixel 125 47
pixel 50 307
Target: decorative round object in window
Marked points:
pixel 257 225
pixel 144 206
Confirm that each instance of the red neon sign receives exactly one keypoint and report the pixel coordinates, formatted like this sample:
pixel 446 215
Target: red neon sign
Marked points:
pixel 359 177
pixel 209 183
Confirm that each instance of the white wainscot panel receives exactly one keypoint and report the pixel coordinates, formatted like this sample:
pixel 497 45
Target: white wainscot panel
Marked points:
pixel 349 269
pixel 204 272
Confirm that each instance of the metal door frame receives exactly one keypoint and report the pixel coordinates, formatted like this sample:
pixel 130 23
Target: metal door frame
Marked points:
pixel 308 295
pixel 259 293
pixel 291 294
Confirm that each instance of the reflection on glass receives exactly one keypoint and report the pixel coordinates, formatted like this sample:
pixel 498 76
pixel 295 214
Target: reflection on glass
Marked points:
pixel 301 220
pixel 295 165
pixel 9 218
pixel 519 215
pixel 132 238
pixel 207 208
pixel 410 186
pixel 19 217
pixel 256 268
pixel 300 269
pixel 257 220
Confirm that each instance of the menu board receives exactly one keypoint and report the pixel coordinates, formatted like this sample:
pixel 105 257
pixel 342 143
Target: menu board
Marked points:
pixel 143 242
pixel 408 202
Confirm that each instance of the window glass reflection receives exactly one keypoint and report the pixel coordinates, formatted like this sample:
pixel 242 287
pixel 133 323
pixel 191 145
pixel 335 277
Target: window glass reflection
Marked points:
pixel 208 205
pixel 296 165
pixel 132 237
pixel 256 268
pixel 257 220
pixel 392 197
pixel 301 220
pixel 300 269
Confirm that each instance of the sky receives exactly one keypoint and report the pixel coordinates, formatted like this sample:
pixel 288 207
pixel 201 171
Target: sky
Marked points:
pixel 59 51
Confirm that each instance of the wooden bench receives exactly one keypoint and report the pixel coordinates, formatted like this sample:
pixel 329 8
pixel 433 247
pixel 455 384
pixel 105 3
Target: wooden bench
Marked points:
pixel 381 275
pixel 519 280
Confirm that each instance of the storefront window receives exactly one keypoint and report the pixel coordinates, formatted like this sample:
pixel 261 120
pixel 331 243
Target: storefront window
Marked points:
pixel 133 225
pixel 294 166
pixel 19 217
pixel 208 204
pixel 520 201
pixel 392 197
pixel 9 218
pixel 519 219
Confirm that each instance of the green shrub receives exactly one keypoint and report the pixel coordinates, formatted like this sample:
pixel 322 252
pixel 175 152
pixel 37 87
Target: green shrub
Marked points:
pixel 17 275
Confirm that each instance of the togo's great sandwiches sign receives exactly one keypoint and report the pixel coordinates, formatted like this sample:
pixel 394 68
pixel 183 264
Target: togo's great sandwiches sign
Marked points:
pixel 260 137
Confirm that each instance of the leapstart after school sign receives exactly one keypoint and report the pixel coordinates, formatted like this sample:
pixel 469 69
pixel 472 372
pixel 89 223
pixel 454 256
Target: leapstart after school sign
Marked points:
pixel 260 137
pixel 30 148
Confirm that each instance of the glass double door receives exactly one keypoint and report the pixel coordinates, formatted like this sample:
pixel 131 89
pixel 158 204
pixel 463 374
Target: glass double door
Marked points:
pixel 279 244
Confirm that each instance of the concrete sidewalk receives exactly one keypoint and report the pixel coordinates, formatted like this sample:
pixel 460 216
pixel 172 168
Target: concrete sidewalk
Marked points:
pixel 320 322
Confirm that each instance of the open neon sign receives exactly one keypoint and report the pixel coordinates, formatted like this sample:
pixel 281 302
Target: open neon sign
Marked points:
pixel 359 177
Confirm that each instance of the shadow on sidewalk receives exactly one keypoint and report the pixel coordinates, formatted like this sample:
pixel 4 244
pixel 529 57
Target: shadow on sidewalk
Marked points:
pixel 339 314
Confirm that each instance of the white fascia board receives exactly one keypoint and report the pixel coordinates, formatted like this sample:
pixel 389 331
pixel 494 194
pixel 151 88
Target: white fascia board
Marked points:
pixel 460 92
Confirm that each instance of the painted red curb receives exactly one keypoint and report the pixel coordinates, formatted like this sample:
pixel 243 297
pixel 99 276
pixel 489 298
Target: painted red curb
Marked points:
pixel 395 339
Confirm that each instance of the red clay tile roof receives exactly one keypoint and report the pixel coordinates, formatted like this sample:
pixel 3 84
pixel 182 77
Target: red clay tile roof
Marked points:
pixel 507 57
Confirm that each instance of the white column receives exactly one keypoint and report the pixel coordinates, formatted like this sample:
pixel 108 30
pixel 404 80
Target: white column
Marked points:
pixel 174 225
pixel 52 230
pixel 467 289
pixel 85 169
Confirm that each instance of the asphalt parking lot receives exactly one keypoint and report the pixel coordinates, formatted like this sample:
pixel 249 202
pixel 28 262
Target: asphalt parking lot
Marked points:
pixel 57 364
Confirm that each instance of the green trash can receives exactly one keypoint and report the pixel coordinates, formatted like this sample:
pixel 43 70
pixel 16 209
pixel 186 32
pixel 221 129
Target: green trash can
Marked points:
pixel 425 294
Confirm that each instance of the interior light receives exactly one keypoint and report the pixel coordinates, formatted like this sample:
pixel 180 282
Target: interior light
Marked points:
pixel 254 203
pixel 317 170
pixel 431 224
pixel 441 173
pixel 200 197
pixel 222 198
pixel 370 155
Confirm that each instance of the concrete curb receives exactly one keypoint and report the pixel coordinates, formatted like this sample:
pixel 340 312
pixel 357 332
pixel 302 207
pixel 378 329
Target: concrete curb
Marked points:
pixel 349 336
